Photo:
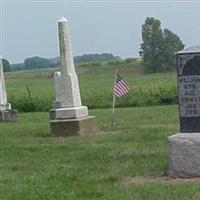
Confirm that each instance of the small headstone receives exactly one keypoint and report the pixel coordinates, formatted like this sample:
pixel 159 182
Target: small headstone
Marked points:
pixel 6 113
pixel 184 147
pixel 68 116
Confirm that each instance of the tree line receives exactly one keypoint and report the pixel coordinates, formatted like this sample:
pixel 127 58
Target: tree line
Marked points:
pixel 37 62
pixel 157 52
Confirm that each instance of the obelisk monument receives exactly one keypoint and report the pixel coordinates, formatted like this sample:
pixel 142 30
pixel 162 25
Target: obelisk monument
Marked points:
pixel 68 116
pixel 6 113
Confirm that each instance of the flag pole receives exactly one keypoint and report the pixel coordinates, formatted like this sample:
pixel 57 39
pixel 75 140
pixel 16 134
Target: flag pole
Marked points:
pixel 114 100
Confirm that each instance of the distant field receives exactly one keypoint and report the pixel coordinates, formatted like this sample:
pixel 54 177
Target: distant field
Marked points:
pixel 96 84
pixel 127 163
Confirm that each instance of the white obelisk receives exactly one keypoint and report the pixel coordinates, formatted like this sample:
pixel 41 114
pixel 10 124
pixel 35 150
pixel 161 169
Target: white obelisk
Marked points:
pixel 68 117
pixel 68 100
pixel 3 96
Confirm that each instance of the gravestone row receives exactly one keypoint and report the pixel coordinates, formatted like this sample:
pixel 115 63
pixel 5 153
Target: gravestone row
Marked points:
pixel 69 117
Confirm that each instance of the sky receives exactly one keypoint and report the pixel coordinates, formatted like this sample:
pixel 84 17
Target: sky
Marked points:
pixel 29 28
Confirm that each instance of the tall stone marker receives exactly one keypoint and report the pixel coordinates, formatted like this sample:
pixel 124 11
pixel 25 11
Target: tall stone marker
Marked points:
pixel 6 113
pixel 68 116
pixel 184 147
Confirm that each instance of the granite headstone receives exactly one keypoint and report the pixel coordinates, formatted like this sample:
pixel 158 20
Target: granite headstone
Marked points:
pixel 184 147
pixel 188 68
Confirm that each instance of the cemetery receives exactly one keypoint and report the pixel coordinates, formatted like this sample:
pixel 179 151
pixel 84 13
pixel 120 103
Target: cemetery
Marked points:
pixel 72 152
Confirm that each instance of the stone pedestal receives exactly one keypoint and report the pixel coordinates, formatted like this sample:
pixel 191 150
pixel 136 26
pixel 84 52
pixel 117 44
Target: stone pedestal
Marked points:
pixel 184 155
pixel 73 127
pixel 8 116
pixel 68 113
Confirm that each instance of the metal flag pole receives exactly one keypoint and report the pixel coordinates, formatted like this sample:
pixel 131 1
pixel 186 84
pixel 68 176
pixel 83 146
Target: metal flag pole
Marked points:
pixel 114 100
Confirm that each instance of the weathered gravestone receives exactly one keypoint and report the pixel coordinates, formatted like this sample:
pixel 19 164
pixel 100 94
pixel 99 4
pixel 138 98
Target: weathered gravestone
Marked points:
pixel 68 116
pixel 184 147
pixel 6 113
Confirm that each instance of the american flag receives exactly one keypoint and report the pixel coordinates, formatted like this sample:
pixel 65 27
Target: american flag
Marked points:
pixel 120 87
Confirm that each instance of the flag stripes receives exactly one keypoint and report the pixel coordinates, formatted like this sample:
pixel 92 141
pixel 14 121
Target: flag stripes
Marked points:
pixel 120 87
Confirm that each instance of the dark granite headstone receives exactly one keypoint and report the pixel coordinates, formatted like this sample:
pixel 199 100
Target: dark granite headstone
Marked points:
pixel 188 68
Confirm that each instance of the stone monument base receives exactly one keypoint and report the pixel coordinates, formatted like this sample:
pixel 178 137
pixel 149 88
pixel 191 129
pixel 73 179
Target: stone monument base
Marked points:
pixel 68 113
pixel 72 127
pixel 184 155
pixel 8 116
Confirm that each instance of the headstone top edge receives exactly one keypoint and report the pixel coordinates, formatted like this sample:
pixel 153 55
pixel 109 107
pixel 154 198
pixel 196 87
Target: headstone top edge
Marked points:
pixel 188 50
pixel 62 19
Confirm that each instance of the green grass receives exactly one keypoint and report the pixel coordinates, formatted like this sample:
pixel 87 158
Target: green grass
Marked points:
pixel 34 165
pixel 96 85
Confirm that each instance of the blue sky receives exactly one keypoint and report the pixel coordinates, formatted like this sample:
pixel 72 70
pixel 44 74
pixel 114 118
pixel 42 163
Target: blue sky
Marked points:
pixel 29 28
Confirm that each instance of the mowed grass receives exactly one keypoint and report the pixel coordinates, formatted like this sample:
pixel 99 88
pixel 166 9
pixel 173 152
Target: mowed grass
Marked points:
pixel 123 163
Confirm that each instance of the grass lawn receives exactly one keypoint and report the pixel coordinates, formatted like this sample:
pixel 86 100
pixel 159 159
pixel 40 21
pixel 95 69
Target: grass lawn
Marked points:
pixel 127 163
pixel 92 79
pixel 96 86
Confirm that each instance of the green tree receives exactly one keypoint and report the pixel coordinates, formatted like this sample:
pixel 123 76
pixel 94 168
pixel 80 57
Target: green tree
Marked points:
pixel 6 65
pixel 158 47
pixel 36 62
pixel 172 44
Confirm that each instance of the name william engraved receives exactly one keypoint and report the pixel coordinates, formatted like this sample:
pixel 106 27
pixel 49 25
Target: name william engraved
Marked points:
pixel 189 95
